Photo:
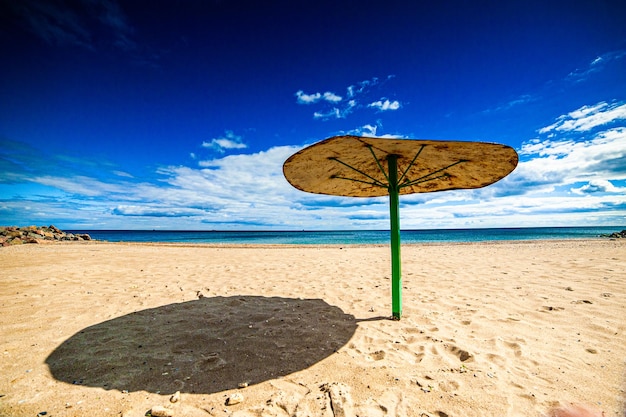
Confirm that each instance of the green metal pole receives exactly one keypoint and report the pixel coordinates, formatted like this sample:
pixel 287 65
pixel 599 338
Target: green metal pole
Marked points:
pixel 396 277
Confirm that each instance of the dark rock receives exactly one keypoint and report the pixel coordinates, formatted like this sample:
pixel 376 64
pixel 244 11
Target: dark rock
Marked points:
pixel 11 235
pixel 616 235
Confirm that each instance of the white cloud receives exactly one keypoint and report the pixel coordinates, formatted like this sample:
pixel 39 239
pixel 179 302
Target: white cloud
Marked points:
pixel 303 98
pixel 122 174
pixel 565 162
pixel 332 97
pixel 385 105
pixel 336 112
pixel 226 142
pixel 147 210
pixel 332 113
pixel 307 98
pixel 342 107
pixel 370 130
pixel 588 117
pixel 598 186
pixel 596 65
pixel 80 185
pixel 577 176
pixel 361 87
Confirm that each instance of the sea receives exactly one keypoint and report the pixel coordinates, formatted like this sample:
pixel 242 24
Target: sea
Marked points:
pixel 350 237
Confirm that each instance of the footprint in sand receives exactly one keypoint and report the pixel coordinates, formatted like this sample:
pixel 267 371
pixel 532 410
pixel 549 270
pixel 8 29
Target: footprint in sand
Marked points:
pixel 289 398
pixel 390 403
pixel 448 386
pixel 517 349
pixel 412 330
pixel 462 354
pixel 435 414
pixel 550 308
pixel 419 355
pixel 378 355
pixel 341 401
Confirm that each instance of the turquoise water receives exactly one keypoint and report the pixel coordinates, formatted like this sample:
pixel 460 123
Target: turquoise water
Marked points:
pixel 349 237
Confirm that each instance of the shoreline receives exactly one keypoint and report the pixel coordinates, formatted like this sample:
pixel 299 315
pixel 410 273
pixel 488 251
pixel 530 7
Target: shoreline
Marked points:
pixel 500 328
pixel 329 245
pixel 11 235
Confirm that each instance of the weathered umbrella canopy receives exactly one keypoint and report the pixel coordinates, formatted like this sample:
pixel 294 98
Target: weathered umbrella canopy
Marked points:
pixel 356 166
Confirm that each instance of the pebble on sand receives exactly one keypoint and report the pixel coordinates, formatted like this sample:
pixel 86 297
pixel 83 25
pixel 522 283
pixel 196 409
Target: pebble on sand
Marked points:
pixel 234 399
pixel 160 411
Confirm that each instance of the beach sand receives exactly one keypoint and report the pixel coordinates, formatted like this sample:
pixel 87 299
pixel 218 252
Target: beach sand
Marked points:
pixel 493 329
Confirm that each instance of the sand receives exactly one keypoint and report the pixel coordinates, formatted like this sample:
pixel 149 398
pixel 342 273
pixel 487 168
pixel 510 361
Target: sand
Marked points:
pixel 495 329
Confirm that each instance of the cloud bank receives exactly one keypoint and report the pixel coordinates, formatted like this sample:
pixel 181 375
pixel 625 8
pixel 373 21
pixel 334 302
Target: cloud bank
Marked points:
pixel 572 173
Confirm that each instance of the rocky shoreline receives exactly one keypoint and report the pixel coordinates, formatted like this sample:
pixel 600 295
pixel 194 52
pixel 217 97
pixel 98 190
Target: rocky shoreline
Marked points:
pixel 12 235
pixel 616 235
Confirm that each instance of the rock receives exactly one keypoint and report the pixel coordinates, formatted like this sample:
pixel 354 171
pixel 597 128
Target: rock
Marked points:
pixel 54 229
pixel 160 411
pixel 236 398
pixel 11 235
pixel 616 235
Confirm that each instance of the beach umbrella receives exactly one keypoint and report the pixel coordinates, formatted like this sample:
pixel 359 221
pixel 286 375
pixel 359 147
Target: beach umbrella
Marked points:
pixel 355 166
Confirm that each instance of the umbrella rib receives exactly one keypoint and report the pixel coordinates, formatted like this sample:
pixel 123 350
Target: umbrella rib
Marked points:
pixel 361 181
pixel 425 177
pixel 411 164
pixel 378 163
pixel 445 175
pixel 376 182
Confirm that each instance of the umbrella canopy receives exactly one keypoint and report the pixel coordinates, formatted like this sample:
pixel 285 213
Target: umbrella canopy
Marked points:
pixel 354 166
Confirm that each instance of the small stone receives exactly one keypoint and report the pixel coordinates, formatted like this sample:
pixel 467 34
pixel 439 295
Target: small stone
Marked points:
pixel 242 385
pixel 175 397
pixel 160 411
pixel 234 399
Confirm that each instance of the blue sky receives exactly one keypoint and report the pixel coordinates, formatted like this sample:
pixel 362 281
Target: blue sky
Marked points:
pixel 179 115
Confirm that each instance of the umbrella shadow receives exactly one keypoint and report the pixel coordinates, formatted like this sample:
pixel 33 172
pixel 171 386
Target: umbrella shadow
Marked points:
pixel 203 346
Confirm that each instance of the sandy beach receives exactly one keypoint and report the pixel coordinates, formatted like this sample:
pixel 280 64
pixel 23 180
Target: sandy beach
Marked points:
pixel 493 329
